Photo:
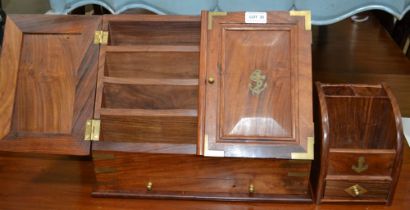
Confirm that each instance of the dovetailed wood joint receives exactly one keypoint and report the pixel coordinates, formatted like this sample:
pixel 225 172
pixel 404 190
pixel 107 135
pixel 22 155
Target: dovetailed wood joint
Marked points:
pixel 211 153
pixel 92 130
pixel 305 13
pixel 101 37
pixel 308 155
pixel 211 15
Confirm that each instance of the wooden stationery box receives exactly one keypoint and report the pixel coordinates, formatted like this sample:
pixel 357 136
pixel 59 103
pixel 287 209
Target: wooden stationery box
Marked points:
pixel 361 144
pixel 180 107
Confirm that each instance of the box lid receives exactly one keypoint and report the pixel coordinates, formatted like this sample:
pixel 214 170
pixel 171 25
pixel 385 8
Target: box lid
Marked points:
pixel 48 71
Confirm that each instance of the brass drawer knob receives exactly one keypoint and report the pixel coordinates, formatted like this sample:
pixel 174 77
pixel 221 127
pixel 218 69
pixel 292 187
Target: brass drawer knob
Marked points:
pixel 149 186
pixel 355 190
pixel 251 188
pixel 211 80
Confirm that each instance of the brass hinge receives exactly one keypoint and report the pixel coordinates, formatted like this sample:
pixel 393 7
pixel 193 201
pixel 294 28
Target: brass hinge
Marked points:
pixel 308 155
pixel 211 15
pixel 92 130
pixel 101 37
pixel 306 14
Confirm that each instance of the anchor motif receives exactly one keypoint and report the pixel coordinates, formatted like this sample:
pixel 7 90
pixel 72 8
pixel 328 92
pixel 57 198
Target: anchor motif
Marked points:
pixel 257 83
pixel 361 165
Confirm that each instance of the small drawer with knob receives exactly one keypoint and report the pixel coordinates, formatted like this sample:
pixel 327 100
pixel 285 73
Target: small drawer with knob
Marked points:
pixel 356 163
pixel 351 191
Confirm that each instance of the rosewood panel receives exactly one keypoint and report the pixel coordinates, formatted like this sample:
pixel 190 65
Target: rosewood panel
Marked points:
pixel 50 63
pixel 158 65
pixel 361 122
pixel 375 191
pixel 147 89
pixel 255 86
pixel 127 96
pixel 360 146
pixel 191 177
pixel 248 54
pixel 149 129
pixel 151 32
pixel 362 164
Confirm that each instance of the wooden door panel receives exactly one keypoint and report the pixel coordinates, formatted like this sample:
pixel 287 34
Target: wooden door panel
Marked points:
pixel 256 98
pixel 45 92
pixel 245 51
pixel 49 88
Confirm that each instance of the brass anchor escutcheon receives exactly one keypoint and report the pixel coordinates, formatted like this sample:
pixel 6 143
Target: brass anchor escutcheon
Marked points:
pixel 361 165
pixel 257 82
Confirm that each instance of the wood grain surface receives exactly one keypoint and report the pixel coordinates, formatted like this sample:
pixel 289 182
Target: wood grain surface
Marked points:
pixel 192 177
pixel 50 64
pixel 32 181
pixel 342 52
pixel 231 113
pixel 361 140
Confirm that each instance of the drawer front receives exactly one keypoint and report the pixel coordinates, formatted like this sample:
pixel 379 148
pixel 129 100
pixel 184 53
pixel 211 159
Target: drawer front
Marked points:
pixel 359 191
pixel 132 172
pixel 188 185
pixel 360 164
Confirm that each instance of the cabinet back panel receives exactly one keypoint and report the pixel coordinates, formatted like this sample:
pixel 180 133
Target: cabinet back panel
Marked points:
pixel 369 123
pixel 149 129
pixel 154 33
pixel 155 65
pixel 149 96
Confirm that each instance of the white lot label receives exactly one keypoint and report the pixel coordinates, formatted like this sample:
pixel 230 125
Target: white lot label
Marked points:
pixel 256 17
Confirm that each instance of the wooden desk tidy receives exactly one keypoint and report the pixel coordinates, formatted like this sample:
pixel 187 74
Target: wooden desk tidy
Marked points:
pixel 215 107
pixel 361 144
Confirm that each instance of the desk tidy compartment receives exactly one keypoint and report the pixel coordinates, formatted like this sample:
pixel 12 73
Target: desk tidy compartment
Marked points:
pixel 361 143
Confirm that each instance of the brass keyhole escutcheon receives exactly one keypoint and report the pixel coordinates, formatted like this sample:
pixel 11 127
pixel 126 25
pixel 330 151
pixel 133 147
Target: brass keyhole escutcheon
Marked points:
pixel 211 80
pixel 361 165
pixel 251 188
pixel 149 186
pixel 257 82
pixel 355 190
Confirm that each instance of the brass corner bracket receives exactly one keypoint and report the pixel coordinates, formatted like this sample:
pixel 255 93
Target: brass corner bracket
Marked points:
pixel 308 155
pixel 211 153
pixel 305 13
pixel 211 15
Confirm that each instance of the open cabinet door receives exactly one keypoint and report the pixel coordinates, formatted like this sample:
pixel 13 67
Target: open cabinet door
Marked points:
pixel 256 85
pixel 48 74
